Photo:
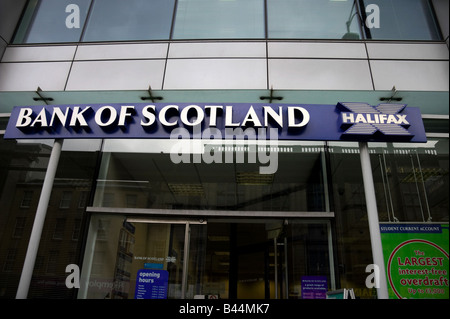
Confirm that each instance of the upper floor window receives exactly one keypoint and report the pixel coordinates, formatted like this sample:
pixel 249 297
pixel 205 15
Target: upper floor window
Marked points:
pixel 312 19
pixel 119 20
pixel 219 19
pixel 400 20
pixel 54 21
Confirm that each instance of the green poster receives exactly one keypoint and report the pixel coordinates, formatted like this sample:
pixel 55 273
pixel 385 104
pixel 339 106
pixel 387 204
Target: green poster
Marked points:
pixel 416 260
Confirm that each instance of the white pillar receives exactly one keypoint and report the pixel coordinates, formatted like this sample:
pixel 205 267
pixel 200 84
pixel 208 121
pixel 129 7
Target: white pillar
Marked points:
pixel 372 214
pixel 39 219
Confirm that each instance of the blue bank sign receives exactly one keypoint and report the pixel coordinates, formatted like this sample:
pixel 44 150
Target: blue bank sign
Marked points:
pixel 342 122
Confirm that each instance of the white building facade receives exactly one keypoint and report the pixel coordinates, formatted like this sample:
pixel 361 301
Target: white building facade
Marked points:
pixel 122 208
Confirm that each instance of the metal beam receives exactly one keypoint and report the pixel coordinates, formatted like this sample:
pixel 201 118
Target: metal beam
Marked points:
pixel 35 238
pixel 372 214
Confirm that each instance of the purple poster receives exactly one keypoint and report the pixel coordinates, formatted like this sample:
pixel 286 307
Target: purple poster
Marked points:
pixel 151 284
pixel 314 287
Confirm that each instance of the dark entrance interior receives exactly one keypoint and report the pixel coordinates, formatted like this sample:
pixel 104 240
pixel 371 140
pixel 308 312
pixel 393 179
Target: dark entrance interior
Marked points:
pixel 266 259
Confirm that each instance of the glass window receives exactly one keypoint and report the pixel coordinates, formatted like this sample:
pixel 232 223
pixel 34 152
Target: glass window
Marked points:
pixel 58 231
pixel 229 181
pixel 312 19
pixel 66 199
pixel 219 19
pixel 10 258
pixel 20 227
pixel 52 21
pixel 247 258
pixel 26 199
pixel 411 185
pixel 116 20
pixel 76 229
pixel 402 20
pixel 115 262
pixel 411 181
pixel 353 246
pixel 53 257
pixel 22 172
pixel 82 201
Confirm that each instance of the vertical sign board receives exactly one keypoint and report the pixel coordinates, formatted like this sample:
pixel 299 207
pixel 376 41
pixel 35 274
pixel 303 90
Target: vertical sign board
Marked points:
pixel 151 284
pixel 417 260
pixel 314 287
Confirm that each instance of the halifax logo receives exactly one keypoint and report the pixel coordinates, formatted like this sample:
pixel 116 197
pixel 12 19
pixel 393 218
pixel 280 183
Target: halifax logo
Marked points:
pixel 366 121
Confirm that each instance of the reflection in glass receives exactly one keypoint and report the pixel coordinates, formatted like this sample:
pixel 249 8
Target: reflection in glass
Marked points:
pixel 120 249
pixel 352 243
pixel 159 182
pixel 196 279
pixel 232 259
pixel 218 19
pixel 116 20
pixel 404 20
pixel 411 184
pixel 312 19
pixel 52 21
pixel 411 181
pixel 22 171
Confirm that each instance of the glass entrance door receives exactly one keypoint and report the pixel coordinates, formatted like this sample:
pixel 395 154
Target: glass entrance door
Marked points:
pixel 136 258
pixel 226 258
pixel 265 258
pixel 244 251
pixel 281 274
